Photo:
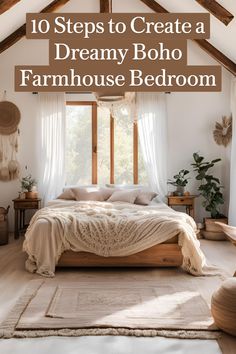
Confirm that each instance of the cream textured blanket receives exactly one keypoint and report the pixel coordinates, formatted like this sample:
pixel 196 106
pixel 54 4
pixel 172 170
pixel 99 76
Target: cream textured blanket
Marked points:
pixel 107 229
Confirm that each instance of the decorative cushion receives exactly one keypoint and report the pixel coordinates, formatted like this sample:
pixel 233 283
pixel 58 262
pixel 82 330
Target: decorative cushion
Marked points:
pixel 81 193
pixel 107 192
pixel 127 196
pixel 223 306
pixel 88 193
pixel 67 194
pixel 145 197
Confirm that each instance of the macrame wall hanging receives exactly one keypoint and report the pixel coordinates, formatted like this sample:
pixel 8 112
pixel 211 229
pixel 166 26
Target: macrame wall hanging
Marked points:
pixel 9 120
pixel 120 104
pixel 223 131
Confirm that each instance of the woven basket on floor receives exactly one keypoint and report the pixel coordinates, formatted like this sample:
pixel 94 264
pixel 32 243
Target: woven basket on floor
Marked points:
pixel 3 226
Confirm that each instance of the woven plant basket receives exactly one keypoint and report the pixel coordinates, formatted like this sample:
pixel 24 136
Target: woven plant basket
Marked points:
pixel 3 226
pixel 3 232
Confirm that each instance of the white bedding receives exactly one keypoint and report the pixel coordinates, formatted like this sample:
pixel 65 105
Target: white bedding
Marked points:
pixel 107 229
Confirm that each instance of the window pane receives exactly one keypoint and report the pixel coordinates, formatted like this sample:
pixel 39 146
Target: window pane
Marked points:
pixel 123 150
pixel 103 146
pixel 78 145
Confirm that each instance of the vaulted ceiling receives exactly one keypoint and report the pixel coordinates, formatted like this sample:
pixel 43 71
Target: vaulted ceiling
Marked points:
pixel 221 45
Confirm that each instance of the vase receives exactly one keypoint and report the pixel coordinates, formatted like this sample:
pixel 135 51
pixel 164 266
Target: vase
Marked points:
pixel 179 191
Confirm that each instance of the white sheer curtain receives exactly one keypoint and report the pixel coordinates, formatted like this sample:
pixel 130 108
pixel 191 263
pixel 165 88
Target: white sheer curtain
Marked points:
pixel 51 144
pixel 152 127
pixel 232 202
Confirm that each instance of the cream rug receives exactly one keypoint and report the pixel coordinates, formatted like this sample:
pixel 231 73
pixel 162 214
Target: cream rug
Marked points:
pixel 65 308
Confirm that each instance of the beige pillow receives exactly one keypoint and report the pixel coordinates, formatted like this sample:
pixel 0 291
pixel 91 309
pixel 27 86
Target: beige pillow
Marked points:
pixel 67 194
pixel 145 197
pixel 89 193
pixel 127 196
pixel 107 192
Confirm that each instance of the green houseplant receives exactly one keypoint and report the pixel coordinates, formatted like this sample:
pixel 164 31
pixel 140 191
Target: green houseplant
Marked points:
pixel 27 184
pixel 179 181
pixel 210 189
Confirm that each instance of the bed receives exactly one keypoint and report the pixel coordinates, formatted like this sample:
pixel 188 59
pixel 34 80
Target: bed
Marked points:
pixel 166 254
pixel 153 236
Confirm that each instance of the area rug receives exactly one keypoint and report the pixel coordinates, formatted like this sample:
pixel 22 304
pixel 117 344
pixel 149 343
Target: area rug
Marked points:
pixel 94 308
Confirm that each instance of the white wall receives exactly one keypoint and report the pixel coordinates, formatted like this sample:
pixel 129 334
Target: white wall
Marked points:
pixel 191 116
pixel 191 120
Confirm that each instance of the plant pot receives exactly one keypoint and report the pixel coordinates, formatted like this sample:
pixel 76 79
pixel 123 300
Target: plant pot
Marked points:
pixel 179 191
pixel 30 195
pixel 213 231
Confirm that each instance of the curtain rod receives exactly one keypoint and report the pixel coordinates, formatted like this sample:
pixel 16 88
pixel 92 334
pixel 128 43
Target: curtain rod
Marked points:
pixel 83 93
pixel 69 93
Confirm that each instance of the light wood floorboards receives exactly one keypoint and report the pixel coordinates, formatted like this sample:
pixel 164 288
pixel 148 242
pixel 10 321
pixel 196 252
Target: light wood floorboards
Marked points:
pixel 14 278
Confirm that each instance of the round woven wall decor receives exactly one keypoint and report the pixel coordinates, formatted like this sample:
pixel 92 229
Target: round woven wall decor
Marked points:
pixel 223 131
pixel 9 118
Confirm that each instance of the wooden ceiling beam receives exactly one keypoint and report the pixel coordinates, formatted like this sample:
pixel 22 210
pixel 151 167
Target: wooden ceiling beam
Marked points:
pixel 203 43
pixel 5 5
pixel 105 6
pixel 152 4
pixel 217 10
pixel 217 55
pixel 21 31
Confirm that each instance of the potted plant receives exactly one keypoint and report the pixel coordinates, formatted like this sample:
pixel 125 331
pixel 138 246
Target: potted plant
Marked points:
pixel 210 189
pixel 27 184
pixel 179 181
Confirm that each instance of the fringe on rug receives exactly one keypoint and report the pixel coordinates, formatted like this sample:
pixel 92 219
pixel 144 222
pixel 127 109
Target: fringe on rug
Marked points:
pixel 181 334
pixel 7 327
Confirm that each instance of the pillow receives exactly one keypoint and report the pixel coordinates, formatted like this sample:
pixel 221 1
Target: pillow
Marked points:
pixel 88 193
pixel 145 197
pixel 67 194
pixel 107 192
pixel 124 186
pixel 127 196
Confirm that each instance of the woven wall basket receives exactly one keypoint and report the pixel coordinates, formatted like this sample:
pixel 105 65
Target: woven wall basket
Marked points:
pixel 9 118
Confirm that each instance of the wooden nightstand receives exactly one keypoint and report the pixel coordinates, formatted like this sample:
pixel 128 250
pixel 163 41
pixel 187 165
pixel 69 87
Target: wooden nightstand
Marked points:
pixel 20 206
pixel 185 200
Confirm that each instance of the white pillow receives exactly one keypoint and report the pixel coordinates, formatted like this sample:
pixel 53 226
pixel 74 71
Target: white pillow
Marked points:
pixel 127 196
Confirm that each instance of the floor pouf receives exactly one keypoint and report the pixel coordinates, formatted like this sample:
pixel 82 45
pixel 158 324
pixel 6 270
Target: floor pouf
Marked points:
pixel 223 306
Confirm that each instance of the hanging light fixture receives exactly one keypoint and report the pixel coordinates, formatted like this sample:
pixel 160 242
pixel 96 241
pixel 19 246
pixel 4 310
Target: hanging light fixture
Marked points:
pixel 110 97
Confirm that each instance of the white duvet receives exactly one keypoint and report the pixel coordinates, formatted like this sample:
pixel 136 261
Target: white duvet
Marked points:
pixel 107 229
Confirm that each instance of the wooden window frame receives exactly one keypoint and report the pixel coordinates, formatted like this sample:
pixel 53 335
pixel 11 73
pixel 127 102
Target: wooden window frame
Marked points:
pixel 112 143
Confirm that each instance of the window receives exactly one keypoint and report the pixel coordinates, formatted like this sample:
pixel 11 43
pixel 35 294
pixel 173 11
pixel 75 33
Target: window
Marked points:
pixel 78 144
pixel 101 149
pixel 124 150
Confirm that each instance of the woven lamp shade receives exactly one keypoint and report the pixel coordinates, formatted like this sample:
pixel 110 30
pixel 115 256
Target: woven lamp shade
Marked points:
pixel 9 118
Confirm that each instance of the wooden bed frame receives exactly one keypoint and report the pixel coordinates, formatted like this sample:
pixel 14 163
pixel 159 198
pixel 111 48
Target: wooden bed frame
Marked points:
pixel 162 255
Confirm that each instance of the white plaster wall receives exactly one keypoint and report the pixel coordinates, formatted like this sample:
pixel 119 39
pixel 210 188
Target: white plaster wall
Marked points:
pixel 191 120
pixel 191 116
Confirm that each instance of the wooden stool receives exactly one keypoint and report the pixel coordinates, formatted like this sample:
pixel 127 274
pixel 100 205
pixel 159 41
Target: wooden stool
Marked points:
pixel 223 306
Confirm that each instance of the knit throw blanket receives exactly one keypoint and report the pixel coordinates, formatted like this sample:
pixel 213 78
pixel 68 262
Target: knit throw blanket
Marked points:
pixel 107 229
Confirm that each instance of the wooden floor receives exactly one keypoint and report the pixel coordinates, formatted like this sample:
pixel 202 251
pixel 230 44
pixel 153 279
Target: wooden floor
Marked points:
pixel 14 278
